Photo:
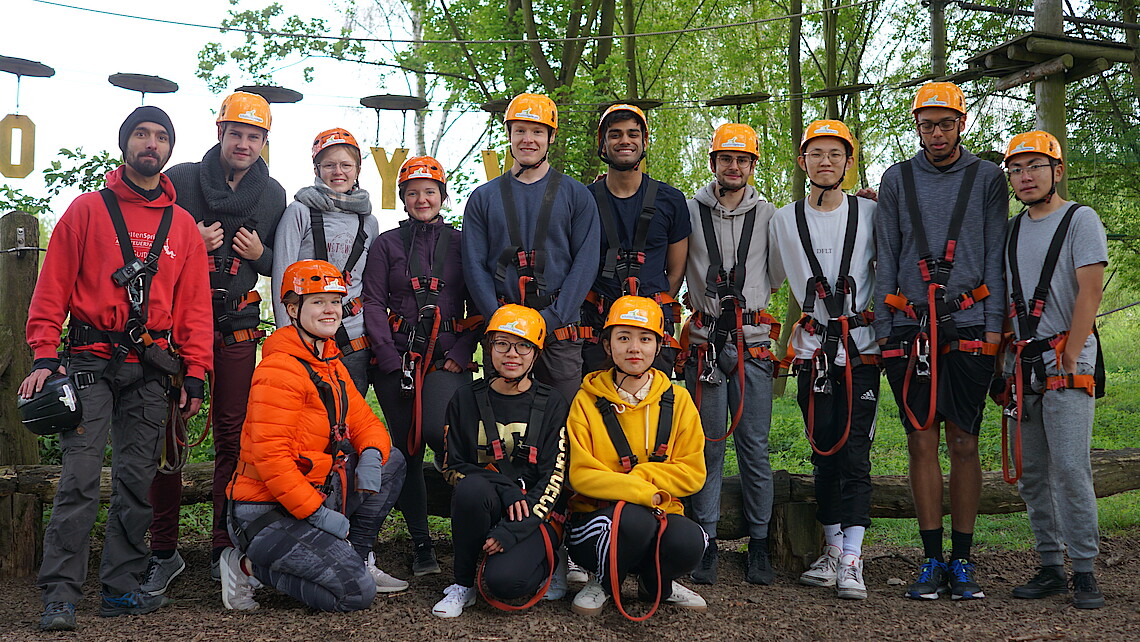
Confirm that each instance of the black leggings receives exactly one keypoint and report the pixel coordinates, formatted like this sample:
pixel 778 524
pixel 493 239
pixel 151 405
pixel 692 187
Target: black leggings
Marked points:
pixel 682 545
pixel 439 386
pixel 518 572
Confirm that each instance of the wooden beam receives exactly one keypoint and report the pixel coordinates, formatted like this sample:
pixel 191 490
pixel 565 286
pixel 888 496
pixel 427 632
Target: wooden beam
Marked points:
pixel 1036 72
pixel 1080 72
pixel 1021 54
pixel 997 61
pixel 1079 49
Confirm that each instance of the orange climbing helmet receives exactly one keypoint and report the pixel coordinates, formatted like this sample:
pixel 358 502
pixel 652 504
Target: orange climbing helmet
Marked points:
pixel 735 137
pixel 822 128
pixel 639 312
pixel 312 277
pixel 519 320
pixel 1038 141
pixel 331 137
pixel 421 167
pixel 246 108
pixel 532 108
pixel 939 94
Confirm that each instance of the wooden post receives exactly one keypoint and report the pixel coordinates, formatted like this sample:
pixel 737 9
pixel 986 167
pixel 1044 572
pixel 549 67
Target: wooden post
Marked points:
pixel 1050 91
pixel 21 514
pixel 796 105
pixel 937 37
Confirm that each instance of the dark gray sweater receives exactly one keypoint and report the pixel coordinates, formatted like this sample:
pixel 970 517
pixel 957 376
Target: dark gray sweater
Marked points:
pixel 978 256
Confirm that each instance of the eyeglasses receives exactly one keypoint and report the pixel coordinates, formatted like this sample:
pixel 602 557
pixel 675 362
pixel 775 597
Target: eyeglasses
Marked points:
pixel 1014 172
pixel 523 348
pixel 332 167
pixel 835 157
pixel 947 125
pixel 729 161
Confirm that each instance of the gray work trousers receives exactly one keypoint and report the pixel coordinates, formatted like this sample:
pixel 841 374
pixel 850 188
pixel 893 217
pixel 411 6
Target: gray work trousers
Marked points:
pixel 135 418
pixel 719 401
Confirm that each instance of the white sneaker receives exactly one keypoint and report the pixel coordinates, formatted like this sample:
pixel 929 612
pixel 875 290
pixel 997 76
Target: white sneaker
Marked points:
pixel 849 579
pixel 576 574
pixel 455 598
pixel 237 592
pixel 822 571
pixel 384 583
pixel 590 600
pixel 558 587
pixel 686 598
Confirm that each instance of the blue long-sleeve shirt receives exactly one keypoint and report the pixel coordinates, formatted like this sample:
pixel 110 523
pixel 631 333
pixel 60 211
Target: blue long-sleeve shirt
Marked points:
pixel 571 246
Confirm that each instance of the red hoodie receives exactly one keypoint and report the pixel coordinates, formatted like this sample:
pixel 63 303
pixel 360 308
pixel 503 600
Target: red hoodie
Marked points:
pixel 84 252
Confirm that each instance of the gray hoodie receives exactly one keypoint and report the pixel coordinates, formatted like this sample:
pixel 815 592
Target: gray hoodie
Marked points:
pixel 978 255
pixel 728 227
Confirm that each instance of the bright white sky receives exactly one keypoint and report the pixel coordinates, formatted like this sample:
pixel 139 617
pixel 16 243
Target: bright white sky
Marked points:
pixel 78 107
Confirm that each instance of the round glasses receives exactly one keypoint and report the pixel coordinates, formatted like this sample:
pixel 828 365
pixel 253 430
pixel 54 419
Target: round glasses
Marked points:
pixel 502 346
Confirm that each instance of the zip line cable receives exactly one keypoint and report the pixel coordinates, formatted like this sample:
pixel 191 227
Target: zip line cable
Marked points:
pixel 505 41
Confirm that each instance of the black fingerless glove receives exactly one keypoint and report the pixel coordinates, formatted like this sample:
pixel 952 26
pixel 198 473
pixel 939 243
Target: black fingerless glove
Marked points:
pixel 195 388
pixel 46 363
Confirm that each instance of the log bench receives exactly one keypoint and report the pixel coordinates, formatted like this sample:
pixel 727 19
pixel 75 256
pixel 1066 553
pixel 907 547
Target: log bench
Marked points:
pixel 795 534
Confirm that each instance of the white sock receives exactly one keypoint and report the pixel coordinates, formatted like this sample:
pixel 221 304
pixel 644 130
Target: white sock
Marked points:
pixel 833 535
pixel 853 540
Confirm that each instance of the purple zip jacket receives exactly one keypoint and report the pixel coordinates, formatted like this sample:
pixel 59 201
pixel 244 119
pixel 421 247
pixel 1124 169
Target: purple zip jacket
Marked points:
pixel 387 289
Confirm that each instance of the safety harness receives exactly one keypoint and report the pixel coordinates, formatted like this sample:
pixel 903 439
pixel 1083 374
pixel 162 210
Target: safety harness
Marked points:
pixel 624 260
pixel 504 463
pixel 353 306
pixel 223 268
pixel 728 288
pixel 529 264
pixel 842 318
pixel 1028 351
pixel 935 315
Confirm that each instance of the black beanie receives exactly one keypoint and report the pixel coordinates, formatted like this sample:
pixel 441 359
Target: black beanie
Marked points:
pixel 144 114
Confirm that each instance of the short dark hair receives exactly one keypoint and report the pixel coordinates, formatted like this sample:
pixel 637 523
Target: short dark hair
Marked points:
pixel 620 116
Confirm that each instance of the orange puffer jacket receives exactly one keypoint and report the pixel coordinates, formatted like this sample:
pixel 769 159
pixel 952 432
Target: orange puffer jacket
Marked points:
pixel 286 432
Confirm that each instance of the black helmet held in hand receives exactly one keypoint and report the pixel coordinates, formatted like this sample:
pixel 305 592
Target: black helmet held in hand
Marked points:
pixel 54 409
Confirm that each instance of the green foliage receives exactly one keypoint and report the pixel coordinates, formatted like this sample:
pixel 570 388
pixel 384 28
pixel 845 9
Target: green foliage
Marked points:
pixel 85 173
pixel 13 198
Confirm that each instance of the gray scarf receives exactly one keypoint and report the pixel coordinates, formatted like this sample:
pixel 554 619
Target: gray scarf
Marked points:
pixel 321 198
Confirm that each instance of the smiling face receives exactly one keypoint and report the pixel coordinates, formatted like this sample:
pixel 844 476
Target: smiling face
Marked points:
pixel 241 145
pixel 825 160
pixel 423 198
pixel 1029 176
pixel 510 363
pixel 337 168
pixel 624 142
pixel 733 169
pixel 318 314
pixel 632 349
pixel 529 141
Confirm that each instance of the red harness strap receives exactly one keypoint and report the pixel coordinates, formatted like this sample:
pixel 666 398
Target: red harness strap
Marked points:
pixel 847 378
pixel 615 583
pixel 503 606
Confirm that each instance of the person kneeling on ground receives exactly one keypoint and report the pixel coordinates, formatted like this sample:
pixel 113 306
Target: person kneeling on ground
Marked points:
pixel 305 501
pixel 506 457
pixel 636 448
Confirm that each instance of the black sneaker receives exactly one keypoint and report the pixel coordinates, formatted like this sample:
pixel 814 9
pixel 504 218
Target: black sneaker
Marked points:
pixel 1086 594
pixel 423 559
pixel 58 616
pixel 759 565
pixel 133 603
pixel 705 573
pixel 932 577
pixel 1050 580
pixel 962 584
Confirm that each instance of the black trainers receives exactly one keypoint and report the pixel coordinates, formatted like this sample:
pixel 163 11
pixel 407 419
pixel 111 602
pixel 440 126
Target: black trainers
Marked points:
pixel 962 584
pixel 705 573
pixel 423 559
pixel 932 577
pixel 759 566
pixel 133 603
pixel 1049 580
pixel 58 616
pixel 1086 594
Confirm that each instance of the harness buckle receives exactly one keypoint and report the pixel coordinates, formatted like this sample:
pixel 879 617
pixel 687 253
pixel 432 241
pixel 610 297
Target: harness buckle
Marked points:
pixel 708 364
pixel 407 380
pixel 820 384
pixel 922 358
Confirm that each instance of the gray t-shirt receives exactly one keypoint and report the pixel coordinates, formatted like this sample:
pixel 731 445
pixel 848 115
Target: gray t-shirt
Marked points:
pixel 1085 244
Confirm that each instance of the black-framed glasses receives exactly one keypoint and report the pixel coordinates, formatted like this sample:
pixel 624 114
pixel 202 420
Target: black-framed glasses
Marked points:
pixel 950 124
pixel 502 346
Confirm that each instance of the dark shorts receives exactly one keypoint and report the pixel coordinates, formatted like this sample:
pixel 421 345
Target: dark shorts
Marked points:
pixel 963 381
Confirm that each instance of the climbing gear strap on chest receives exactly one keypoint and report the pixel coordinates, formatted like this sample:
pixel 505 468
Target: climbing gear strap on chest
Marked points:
pixel 523 453
pixel 624 257
pixel 339 445
pixel 321 252
pixel 529 264
pixel 621 443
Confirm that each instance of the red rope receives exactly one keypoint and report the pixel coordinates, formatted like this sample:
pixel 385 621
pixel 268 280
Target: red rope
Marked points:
pixel 503 606
pixel 615 583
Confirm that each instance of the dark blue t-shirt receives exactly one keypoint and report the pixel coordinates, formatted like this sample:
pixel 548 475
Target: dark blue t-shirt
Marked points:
pixel 670 224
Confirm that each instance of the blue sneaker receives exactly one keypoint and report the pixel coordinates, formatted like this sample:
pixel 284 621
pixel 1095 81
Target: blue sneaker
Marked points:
pixel 58 616
pixel 962 584
pixel 133 603
pixel 932 579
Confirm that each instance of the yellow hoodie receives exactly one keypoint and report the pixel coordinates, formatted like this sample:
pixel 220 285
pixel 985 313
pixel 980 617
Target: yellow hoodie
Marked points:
pixel 595 468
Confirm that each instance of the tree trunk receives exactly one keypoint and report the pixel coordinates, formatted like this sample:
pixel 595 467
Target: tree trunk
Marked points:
pixel 1050 91
pixel 796 105
pixel 18 271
